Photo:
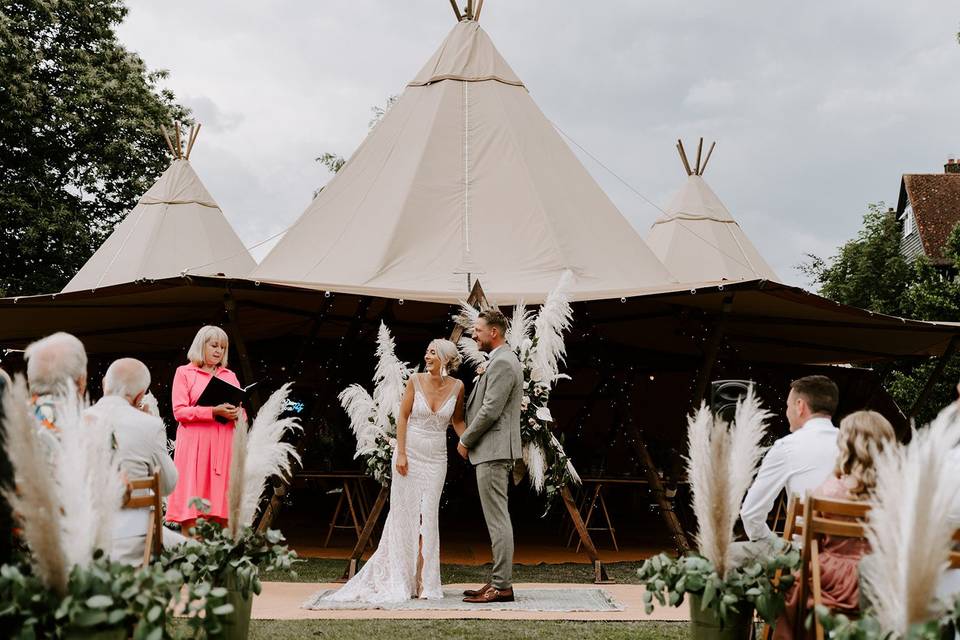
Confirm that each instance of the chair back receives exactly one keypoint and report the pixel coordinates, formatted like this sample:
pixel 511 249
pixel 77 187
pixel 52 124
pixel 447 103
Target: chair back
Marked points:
pixel 145 494
pixel 824 516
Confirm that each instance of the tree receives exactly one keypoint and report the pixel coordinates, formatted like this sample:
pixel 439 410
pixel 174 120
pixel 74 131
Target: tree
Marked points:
pixel 869 272
pixel 79 136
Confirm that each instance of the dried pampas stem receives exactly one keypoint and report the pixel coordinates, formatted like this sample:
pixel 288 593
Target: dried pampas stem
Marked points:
pixel 909 535
pixel 238 462
pixel 553 320
pixel 266 456
pixel 720 467
pixel 35 501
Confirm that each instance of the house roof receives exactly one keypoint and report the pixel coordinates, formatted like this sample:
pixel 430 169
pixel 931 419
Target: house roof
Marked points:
pixel 935 198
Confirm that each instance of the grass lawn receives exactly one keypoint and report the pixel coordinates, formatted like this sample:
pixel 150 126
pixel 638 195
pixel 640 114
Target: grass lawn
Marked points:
pixel 323 570
pixel 468 629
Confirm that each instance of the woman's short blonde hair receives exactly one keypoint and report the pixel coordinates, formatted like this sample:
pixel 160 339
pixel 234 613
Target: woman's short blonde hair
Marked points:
pixel 447 352
pixel 205 335
pixel 863 435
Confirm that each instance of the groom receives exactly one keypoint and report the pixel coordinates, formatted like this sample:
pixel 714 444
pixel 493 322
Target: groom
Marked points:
pixel 492 443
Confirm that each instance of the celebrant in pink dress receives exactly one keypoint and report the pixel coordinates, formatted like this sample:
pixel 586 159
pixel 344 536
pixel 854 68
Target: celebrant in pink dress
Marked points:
pixel 202 453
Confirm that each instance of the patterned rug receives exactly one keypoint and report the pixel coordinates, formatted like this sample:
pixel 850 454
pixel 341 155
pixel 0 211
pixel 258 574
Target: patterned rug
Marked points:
pixel 562 600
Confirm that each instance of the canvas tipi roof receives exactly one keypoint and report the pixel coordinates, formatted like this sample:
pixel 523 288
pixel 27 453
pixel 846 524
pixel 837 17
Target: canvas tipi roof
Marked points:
pixel 464 178
pixel 176 226
pixel 697 238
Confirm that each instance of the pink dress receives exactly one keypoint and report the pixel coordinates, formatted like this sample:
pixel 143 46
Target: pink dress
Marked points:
pixel 202 453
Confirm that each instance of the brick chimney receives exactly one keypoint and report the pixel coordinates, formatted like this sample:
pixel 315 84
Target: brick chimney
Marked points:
pixel 952 166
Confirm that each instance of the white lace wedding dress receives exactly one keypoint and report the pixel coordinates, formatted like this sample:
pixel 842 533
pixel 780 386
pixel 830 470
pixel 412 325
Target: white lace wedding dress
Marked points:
pixel 390 575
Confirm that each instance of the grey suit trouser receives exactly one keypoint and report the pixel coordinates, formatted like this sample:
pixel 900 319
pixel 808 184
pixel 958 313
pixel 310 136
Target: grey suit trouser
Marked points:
pixel 492 480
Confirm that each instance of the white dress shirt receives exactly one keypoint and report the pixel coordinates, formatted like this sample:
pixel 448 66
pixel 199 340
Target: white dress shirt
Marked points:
pixel 799 462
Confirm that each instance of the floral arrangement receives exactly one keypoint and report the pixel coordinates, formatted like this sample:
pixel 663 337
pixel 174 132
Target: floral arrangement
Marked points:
pixel 537 339
pixel 721 463
pixel 373 418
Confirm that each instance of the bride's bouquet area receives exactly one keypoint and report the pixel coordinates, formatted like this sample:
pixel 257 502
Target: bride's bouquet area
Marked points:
pixel 721 463
pixel 537 339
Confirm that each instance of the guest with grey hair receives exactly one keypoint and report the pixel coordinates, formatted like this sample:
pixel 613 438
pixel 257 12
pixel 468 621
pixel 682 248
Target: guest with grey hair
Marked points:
pixel 56 365
pixel 141 451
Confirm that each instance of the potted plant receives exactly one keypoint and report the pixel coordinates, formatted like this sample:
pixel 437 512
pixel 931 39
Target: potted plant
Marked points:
pixel 721 463
pixel 232 558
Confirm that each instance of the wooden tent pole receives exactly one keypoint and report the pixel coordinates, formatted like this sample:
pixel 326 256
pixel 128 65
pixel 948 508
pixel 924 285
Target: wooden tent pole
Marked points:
pixel 456 10
pixel 479 9
pixel 707 159
pixel 231 307
pixel 194 132
pixel 932 379
pixel 176 132
pixel 166 136
pixel 469 9
pixel 712 352
pixel 699 152
pixel 683 157
pixel 680 539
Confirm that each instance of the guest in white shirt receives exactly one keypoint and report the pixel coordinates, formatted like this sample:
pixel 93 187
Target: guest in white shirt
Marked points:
pixel 799 462
pixel 141 441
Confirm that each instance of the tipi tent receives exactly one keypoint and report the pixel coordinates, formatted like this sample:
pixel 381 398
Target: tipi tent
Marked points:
pixel 464 179
pixel 697 238
pixel 176 226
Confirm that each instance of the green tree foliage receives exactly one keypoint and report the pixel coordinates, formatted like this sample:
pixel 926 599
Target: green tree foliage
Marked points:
pixel 869 272
pixel 79 136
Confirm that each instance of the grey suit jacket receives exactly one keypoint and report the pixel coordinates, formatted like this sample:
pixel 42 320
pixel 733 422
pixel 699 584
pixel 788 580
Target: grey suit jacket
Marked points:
pixel 493 411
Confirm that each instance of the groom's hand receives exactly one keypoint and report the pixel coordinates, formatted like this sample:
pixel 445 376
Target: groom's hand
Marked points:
pixel 462 450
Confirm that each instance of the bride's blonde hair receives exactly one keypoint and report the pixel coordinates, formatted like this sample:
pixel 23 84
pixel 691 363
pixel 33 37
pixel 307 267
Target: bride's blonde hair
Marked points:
pixel 863 435
pixel 448 354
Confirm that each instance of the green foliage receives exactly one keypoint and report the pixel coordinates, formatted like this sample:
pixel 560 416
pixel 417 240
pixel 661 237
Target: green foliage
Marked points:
pixel 103 596
pixel 840 627
pixel 869 272
pixel 79 136
pixel 217 558
pixel 668 580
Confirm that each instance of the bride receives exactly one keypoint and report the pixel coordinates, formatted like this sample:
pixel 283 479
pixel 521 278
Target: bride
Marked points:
pixel 406 564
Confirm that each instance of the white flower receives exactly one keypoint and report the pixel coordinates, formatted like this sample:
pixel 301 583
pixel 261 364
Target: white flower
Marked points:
pixel 524 403
pixel 532 421
pixel 481 369
pixel 544 414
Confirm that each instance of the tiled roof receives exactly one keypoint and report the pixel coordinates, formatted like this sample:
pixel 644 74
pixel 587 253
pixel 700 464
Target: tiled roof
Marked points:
pixel 935 198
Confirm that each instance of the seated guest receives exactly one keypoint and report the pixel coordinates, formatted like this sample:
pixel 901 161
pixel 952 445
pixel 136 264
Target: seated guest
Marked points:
pixel 863 436
pixel 54 364
pixel 800 461
pixel 141 450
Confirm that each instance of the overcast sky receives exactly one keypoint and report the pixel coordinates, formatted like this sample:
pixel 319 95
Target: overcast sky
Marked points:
pixel 817 107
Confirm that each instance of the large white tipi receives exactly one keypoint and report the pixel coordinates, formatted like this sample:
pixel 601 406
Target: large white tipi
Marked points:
pixel 698 240
pixel 176 227
pixel 464 179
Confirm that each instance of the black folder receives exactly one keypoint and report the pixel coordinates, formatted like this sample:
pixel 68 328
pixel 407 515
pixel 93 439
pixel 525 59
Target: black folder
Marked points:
pixel 219 392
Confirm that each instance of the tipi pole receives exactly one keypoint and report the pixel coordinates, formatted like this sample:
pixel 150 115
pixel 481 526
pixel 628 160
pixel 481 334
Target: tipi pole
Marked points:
pixel 711 352
pixel 176 132
pixel 166 136
pixel 476 16
pixel 699 152
pixel 707 159
pixel 456 10
pixel 933 378
pixel 194 132
pixel 230 305
pixel 683 157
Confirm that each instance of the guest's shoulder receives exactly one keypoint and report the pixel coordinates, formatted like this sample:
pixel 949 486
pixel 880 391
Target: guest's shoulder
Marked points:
pixel 227 374
pixel 187 368
pixel 834 488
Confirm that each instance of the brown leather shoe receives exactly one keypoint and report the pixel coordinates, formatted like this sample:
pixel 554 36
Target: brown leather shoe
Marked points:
pixel 473 593
pixel 492 595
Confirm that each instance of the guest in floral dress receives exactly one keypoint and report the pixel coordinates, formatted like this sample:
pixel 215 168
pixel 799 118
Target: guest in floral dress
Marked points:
pixel 863 435
pixel 203 446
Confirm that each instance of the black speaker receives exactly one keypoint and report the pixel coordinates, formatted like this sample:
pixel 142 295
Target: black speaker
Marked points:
pixel 724 395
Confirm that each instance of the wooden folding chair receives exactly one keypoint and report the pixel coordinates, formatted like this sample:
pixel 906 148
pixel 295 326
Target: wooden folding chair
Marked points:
pixel 955 552
pixel 144 494
pixel 791 527
pixel 821 516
